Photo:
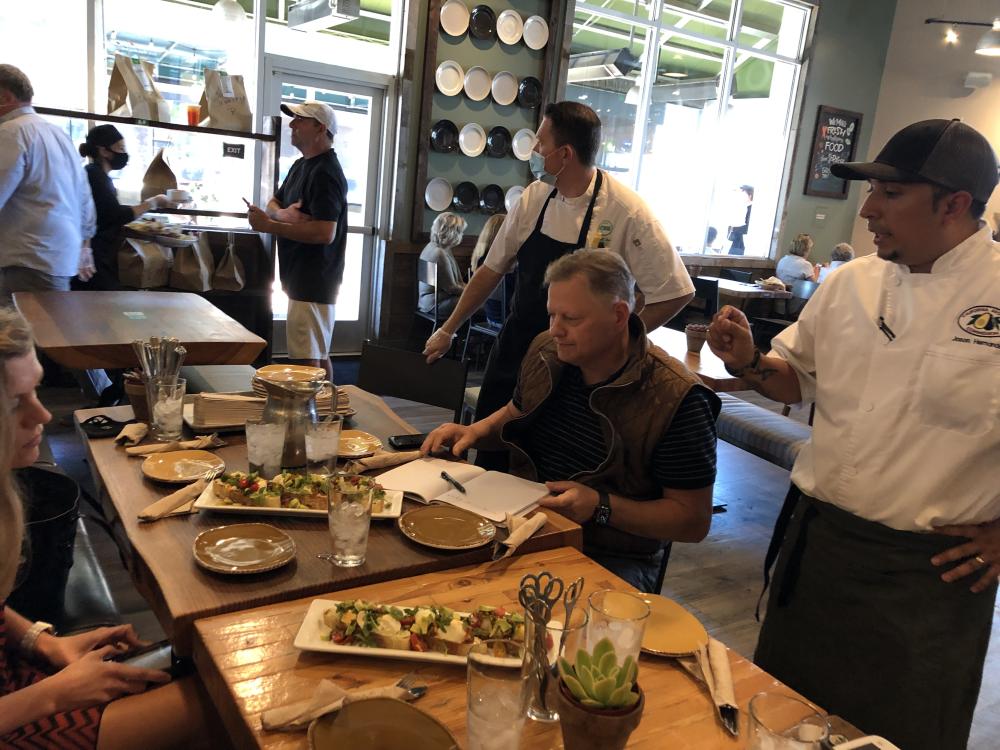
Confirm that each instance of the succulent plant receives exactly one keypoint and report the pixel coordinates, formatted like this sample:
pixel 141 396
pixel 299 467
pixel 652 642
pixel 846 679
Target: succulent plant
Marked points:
pixel 597 681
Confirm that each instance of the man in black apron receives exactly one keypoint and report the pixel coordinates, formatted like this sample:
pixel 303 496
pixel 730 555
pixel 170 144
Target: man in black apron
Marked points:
pixel 613 217
pixel 887 549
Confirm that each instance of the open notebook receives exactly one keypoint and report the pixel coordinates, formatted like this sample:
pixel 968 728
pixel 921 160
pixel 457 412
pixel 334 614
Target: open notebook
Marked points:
pixel 491 494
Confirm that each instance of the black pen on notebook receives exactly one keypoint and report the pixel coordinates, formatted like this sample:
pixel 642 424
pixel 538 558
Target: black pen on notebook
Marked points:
pixel 452 481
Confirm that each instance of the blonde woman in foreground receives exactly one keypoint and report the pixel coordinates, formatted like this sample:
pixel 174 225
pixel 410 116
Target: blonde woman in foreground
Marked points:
pixel 62 692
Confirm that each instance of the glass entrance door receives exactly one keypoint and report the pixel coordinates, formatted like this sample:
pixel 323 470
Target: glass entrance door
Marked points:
pixel 360 109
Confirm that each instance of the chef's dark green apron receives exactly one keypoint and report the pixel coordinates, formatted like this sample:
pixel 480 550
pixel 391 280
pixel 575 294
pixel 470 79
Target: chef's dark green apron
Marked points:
pixel 528 317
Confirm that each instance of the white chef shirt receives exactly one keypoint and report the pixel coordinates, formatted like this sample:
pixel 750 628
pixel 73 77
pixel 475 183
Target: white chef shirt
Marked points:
pixel 906 432
pixel 621 219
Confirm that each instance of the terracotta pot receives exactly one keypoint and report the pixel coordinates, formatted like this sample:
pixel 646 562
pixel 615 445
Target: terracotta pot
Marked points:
pixel 588 728
pixel 136 393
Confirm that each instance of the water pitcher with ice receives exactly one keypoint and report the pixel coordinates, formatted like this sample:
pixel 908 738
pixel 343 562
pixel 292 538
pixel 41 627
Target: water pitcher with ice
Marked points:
pixel 293 404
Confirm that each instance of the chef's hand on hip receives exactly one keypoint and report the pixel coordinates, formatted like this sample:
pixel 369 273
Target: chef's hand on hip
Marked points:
pixel 980 553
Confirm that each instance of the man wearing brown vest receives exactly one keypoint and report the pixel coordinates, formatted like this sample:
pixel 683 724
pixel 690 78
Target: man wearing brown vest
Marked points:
pixel 622 434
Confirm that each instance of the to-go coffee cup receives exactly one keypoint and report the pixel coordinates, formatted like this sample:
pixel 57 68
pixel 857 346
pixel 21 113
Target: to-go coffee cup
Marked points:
pixel 178 196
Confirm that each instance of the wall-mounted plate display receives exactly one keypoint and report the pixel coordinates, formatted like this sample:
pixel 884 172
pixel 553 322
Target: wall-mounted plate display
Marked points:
pixel 510 26
pixel 504 87
pixel 438 194
pixel 523 142
pixel 472 140
pixel 529 92
pixel 513 196
pixel 466 197
pixel 444 136
pixel 477 83
pixel 498 142
pixel 454 17
pixel 483 22
pixel 536 32
pixel 491 199
pixel 449 78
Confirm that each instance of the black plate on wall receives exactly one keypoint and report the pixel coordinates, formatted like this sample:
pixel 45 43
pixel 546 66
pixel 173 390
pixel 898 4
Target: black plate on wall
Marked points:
pixel 498 142
pixel 529 92
pixel 466 197
pixel 483 22
pixel 444 136
pixel 491 199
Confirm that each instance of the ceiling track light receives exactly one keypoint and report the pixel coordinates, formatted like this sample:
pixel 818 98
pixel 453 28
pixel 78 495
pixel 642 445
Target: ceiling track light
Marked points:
pixel 988 45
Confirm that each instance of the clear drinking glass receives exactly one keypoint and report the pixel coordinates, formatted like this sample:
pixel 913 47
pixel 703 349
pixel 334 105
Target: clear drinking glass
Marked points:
pixel 561 640
pixel 619 616
pixel 497 695
pixel 166 407
pixel 265 444
pixel 781 722
pixel 349 509
pixel 323 444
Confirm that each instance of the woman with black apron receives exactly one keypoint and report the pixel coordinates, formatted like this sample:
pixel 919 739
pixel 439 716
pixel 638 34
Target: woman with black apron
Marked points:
pixel 528 317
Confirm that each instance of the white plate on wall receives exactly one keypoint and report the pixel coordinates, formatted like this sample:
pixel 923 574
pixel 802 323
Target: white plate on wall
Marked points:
pixel 454 17
pixel 536 32
pixel 512 197
pixel 510 27
pixel 449 77
pixel 504 87
pixel 477 83
pixel 523 142
pixel 438 194
pixel 472 139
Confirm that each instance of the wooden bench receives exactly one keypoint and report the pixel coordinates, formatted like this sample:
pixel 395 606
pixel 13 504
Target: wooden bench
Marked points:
pixel 753 428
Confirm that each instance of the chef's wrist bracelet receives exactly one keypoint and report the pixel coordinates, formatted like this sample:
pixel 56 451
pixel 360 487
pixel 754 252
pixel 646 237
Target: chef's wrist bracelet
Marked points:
pixel 739 372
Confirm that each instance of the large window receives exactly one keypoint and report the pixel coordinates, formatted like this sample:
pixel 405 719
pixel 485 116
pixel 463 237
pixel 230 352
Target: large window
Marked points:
pixel 696 99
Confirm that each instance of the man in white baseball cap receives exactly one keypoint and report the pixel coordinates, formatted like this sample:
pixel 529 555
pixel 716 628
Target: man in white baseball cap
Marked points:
pixel 308 215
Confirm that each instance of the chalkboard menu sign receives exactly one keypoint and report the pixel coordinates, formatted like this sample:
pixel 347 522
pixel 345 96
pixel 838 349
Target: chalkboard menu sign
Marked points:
pixel 834 141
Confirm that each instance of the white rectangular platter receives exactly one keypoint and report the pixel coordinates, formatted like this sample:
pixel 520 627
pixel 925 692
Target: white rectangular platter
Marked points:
pixel 207 501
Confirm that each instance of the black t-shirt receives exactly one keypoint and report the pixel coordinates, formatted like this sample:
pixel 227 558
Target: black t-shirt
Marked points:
pixel 111 215
pixel 566 437
pixel 313 273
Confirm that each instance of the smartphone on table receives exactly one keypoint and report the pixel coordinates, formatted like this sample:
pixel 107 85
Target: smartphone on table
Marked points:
pixel 407 442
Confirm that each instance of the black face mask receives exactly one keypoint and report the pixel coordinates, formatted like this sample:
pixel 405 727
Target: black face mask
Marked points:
pixel 118 160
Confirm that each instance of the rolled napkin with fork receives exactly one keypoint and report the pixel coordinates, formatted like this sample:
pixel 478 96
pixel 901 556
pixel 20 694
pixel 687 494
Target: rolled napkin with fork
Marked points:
pixel 176 503
pixel 520 530
pixel 132 434
pixel 199 443
pixel 327 697
pixel 711 666
pixel 382 460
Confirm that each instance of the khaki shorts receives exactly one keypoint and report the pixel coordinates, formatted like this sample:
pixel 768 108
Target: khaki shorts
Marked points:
pixel 309 330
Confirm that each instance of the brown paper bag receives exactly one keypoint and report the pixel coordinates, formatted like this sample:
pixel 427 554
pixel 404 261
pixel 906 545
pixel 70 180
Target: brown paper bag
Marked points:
pixel 225 103
pixel 229 275
pixel 132 92
pixel 193 266
pixel 159 178
pixel 144 264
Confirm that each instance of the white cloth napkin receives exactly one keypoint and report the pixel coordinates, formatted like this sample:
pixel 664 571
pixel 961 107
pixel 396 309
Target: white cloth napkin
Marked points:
pixel 382 460
pixel 199 443
pixel 175 504
pixel 327 698
pixel 711 666
pixel 520 530
pixel 132 434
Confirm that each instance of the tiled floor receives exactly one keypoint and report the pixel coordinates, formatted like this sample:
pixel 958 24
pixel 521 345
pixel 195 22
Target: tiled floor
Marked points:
pixel 718 579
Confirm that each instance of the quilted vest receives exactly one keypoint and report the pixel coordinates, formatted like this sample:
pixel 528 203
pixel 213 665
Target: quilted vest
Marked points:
pixel 636 409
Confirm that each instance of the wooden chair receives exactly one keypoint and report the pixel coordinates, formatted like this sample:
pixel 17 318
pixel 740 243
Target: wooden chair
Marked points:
pixel 401 374
pixel 427 273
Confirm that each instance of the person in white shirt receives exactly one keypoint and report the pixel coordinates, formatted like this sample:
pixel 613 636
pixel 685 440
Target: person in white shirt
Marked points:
pixel 585 208
pixel 795 266
pixel 842 253
pixel 888 547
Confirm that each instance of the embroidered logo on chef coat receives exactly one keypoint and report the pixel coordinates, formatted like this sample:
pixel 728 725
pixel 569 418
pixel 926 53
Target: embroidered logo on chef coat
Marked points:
pixel 604 228
pixel 980 320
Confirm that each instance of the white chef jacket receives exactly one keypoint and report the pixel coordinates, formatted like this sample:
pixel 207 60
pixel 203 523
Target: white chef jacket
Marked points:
pixel 621 219
pixel 906 432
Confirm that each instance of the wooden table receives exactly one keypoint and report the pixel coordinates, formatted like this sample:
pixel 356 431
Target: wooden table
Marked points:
pixel 708 367
pixel 746 291
pixel 85 330
pixel 249 665
pixel 159 554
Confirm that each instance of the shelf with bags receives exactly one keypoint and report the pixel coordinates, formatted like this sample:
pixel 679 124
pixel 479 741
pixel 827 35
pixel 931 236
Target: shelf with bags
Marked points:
pixel 139 122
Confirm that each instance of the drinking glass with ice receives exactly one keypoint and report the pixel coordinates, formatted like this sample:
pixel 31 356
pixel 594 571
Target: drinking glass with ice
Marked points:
pixel 349 509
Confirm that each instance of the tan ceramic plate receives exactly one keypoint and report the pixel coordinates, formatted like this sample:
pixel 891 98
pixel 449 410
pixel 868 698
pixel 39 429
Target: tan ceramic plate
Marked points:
pixel 358 444
pixel 243 548
pixel 180 467
pixel 671 630
pixel 291 373
pixel 380 723
pixel 447 527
